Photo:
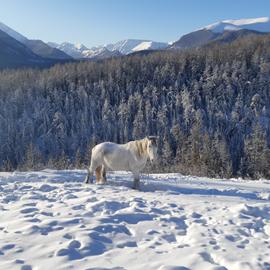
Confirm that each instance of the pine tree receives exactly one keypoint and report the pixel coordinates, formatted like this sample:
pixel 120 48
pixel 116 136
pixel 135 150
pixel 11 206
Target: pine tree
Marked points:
pixel 33 158
pixel 256 160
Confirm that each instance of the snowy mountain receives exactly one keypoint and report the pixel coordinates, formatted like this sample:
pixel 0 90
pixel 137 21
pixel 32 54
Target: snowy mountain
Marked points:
pixel 79 51
pixel 149 45
pixel 257 24
pixel 67 50
pixel 219 32
pixel 52 220
pixel 100 53
pixel 133 45
pixel 224 31
pixel 74 50
pixel 123 47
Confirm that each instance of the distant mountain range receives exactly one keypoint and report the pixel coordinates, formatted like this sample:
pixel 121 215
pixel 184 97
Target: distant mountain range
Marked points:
pixel 124 47
pixel 17 50
pixel 223 32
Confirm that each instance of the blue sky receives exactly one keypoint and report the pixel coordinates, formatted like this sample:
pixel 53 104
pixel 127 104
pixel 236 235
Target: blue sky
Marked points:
pixel 95 22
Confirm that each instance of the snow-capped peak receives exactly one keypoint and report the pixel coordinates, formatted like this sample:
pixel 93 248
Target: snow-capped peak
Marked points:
pixel 94 52
pixel 132 45
pixel 248 21
pixel 256 24
pixel 122 47
pixel 80 47
pixel 149 45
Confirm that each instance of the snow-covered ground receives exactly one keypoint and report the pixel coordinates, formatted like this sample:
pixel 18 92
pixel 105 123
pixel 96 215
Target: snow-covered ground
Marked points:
pixel 52 220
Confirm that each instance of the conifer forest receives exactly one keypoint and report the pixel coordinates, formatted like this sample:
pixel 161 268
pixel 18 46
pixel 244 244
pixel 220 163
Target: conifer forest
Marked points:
pixel 210 108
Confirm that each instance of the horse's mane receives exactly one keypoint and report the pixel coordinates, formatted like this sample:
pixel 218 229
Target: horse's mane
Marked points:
pixel 141 146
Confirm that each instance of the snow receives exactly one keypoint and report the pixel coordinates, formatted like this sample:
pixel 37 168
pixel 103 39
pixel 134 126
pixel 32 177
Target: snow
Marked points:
pixel 80 47
pixel 95 52
pixel 123 47
pixel 52 220
pixel 74 50
pixel 256 24
pixel 128 46
pixel 149 45
pixel 248 21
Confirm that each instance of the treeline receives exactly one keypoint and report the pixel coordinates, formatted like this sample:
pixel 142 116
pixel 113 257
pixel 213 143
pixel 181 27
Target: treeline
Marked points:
pixel 210 108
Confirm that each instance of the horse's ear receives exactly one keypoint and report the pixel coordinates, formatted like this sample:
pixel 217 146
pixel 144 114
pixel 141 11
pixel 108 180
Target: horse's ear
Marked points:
pixel 153 139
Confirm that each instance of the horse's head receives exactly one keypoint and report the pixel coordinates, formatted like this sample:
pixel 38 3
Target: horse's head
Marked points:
pixel 152 147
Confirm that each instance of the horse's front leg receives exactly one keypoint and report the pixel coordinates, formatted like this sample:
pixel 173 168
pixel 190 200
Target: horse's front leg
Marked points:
pixel 136 181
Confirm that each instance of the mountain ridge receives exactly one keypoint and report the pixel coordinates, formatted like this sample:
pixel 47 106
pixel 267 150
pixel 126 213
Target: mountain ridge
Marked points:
pixel 36 46
pixel 223 31
pixel 14 53
pixel 256 24
pixel 119 48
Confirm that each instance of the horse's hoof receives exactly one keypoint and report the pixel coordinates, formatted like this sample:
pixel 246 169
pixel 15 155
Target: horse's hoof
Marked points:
pixel 87 181
pixel 101 183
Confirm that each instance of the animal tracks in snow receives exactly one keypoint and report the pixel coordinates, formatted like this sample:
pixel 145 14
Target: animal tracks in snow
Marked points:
pixel 51 219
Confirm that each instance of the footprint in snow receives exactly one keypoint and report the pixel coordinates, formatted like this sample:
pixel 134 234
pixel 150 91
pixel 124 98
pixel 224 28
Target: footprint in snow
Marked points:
pixel 74 251
pixel 19 261
pixel 8 246
pixel 46 188
pixel 26 267
pixel 29 210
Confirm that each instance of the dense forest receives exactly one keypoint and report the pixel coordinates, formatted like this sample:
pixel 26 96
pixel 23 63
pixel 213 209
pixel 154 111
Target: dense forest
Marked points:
pixel 210 108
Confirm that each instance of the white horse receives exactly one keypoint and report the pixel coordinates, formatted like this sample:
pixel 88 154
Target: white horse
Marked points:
pixel 131 156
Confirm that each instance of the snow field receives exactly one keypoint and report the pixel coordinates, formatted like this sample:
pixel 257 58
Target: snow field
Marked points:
pixel 52 220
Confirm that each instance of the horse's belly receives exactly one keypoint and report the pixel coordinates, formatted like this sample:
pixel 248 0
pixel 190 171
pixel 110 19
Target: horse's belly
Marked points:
pixel 116 163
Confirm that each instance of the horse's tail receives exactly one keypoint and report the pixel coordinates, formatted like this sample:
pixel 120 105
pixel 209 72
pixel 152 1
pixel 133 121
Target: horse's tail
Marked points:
pixel 97 154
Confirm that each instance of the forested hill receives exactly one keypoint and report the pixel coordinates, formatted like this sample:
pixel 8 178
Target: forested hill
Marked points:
pixel 210 108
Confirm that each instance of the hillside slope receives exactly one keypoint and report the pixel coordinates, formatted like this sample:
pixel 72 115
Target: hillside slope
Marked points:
pixel 38 47
pixel 14 54
pixel 44 50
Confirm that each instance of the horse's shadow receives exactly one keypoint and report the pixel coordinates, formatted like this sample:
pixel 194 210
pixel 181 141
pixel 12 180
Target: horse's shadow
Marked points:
pixel 124 179
pixel 149 185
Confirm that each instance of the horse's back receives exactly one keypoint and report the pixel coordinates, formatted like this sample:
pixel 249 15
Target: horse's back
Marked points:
pixel 114 156
pixel 107 148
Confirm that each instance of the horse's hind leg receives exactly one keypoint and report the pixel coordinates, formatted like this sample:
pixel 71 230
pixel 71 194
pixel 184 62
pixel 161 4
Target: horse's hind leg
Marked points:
pixel 89 176
pixel 104 178
pixel 90 172
pixel 101 175
pixel 98 174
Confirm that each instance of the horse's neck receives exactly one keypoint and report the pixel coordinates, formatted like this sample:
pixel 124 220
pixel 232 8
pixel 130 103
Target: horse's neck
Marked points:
pixel 140 148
